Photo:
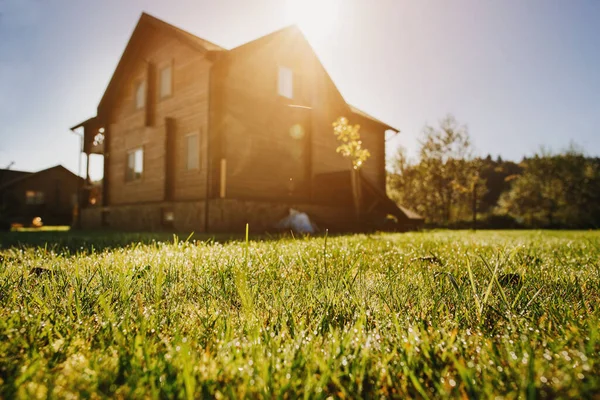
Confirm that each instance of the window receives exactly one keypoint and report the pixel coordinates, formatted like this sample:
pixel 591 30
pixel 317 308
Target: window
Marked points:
pixel 34 197
pixel 286 82
pixel 193 151
pixel 135 165
pixel 140 95
pixel 166 82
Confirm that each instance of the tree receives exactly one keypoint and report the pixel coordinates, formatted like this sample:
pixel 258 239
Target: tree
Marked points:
pixel 351 148
pixel 443 184
pixel 498 176
pixel 447 184
pixel 555 190
pixel 404 182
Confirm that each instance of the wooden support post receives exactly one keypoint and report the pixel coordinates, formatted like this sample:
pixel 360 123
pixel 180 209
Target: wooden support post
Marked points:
pixel 355 181
pixel 105 175
pixel 87 169
pixel 223 180
pixel 170 131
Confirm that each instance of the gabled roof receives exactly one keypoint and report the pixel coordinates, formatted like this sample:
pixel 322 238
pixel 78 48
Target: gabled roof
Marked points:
pixel 410 214
pixel 148 20
pixel 84 123
pixel 181 34
pixel 367 116
pixel 8 175
pixel 211 48
pixel 265 38
pixel 33 174
pixel 291 28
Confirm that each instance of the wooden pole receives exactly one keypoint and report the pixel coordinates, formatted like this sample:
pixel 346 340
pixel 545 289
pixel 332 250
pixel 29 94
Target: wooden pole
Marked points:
pixel 87 169
pixel 355 192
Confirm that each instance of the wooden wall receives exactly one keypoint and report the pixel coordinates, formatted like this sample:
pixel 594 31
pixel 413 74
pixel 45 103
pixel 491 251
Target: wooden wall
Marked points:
pixel 373 139
pixel 252 120
pixel 188 106
pixel 60 190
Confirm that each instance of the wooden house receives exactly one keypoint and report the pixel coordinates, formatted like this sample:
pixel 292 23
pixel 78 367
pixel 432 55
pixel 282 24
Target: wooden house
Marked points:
pixel 199 138
pixel 50 194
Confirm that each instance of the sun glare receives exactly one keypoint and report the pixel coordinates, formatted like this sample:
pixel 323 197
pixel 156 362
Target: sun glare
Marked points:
pixel 315 17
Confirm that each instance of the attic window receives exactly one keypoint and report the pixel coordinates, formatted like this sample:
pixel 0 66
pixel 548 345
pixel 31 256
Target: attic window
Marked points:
pixel 34 197
pixel 286 82
pixel 166 82
pixel 140 95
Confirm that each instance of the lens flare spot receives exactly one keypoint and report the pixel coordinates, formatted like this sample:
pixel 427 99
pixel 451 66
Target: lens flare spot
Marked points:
pixel 297 132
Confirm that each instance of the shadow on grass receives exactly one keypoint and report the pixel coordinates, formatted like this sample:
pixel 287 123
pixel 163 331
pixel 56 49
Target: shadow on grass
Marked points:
pixel 72 242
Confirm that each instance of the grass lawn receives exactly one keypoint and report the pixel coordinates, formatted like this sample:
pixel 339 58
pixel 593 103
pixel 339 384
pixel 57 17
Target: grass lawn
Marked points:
pixel 49 228
pixel 429 315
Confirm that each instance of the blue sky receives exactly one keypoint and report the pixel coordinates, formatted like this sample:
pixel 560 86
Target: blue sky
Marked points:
pixel 520 74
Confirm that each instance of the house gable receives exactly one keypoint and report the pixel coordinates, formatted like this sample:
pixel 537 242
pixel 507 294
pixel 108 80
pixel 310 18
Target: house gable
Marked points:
pixel 295 43
pixel 252 119
pixel 50 194
pixel 146 24
pixel 24 176
pixel 294 30
pixel 8 175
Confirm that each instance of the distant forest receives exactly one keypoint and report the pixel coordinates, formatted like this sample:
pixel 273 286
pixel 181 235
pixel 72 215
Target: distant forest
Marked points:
pixel 449 185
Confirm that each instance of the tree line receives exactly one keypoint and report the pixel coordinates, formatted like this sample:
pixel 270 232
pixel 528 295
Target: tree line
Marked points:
pixel 450 185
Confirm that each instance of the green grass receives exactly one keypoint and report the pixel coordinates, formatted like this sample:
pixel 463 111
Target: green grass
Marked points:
pixel 137 316
pixel 45 228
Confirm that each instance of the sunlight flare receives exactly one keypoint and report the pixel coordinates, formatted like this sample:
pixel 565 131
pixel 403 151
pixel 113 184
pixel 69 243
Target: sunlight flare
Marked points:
pixel 316 17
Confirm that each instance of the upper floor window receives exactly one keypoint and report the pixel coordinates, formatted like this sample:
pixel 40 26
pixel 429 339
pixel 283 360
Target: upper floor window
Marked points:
pixel 135 164
pixel 286 82
pixel 193 151
pixel 166 81
pixel 140 95
pixel 34 197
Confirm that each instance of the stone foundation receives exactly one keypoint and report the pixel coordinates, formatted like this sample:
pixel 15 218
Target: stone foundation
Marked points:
pixel 231 215
pixel 225 215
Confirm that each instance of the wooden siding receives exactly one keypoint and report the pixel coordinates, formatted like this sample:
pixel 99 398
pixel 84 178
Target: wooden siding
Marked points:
pixel 253 122
pixel 373 139
pixel 187 106
pixel 328 106
pixel 59 187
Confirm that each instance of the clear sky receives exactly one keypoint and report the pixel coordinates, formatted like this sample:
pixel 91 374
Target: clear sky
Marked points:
pixel 520 74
